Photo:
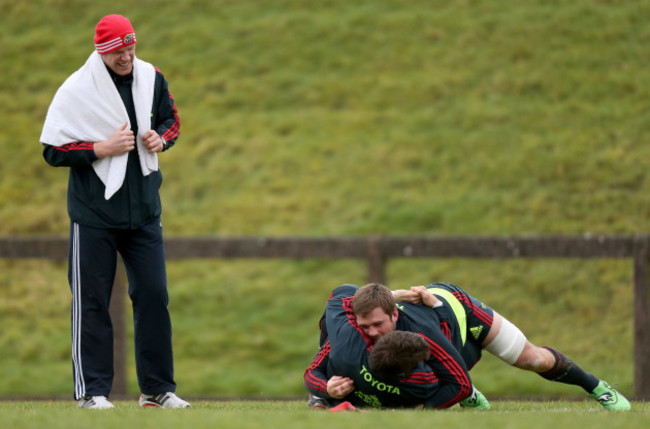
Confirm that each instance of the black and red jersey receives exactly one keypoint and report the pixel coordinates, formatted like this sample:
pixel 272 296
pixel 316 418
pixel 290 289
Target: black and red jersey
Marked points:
pixel 441 382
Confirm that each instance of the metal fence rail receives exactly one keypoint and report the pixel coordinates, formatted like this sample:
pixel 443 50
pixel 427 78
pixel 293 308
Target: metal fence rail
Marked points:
pixel 377 250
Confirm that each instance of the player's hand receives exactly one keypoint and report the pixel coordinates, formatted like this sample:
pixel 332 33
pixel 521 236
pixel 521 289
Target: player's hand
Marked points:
pixel 152 141
pixel 415 295
pixel 339 387
pixel 122 141
pixel 426 297
pixel 404 295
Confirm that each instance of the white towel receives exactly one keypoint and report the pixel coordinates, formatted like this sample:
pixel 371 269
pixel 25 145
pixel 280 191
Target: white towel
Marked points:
pixel 88 107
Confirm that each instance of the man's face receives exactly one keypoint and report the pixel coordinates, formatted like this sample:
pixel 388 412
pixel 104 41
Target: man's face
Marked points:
pixel 377 323
pixel 121 60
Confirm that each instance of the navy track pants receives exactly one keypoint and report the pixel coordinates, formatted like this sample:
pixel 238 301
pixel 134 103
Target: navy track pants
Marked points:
pixel 91 272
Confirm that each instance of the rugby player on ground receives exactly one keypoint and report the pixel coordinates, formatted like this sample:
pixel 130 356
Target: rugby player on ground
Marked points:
pixel 470 326
pixel 340 371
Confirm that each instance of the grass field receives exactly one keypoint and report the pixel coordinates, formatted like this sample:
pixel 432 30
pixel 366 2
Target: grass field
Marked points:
pixel 293 414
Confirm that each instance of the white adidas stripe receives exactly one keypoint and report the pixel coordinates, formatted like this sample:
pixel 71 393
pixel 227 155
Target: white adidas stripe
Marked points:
pixel 79 384
pixel 108 46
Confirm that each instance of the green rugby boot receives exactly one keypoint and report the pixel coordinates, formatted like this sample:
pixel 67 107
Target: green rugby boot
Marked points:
pixel 609 397
pixel 476 401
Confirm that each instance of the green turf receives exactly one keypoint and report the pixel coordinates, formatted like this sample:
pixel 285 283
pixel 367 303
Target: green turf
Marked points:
pixel 293 414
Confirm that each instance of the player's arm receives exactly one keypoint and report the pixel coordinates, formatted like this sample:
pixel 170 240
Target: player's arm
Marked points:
pixel 347 340
pixel 83 154
pixel 76 154
pixel 348 343
pixel 167 122
pixel 454 380
pixel 315 376
pixel 417 295
pixel 319 384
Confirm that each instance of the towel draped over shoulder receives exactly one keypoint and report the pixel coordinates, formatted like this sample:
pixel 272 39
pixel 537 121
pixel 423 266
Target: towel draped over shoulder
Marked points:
pixel 88 107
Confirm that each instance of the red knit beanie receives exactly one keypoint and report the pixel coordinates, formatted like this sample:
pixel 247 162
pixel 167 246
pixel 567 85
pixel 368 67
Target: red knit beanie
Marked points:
pixel 113 32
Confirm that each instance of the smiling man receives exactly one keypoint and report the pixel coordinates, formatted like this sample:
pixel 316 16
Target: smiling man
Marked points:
pixel 107 123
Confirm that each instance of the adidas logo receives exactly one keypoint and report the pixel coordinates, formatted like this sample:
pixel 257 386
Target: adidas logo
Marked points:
pixel 476 332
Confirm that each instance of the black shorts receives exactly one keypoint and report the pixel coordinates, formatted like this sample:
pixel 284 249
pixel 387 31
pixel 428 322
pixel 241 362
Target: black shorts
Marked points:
pixel 478 318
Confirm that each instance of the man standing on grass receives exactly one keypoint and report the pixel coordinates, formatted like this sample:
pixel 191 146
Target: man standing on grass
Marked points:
pixel 107 123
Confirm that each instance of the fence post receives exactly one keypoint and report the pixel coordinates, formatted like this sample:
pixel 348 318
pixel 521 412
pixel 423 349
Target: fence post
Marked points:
pixel 118 317
pixel 376 261
pixel 641 318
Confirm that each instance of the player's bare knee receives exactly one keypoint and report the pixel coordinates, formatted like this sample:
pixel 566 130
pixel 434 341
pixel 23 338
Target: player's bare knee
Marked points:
pixel 528 360
pixel 534 358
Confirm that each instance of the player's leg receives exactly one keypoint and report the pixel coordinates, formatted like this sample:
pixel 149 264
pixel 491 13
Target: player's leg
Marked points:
pixel 507 342
pixel 144 260
pixel 92 259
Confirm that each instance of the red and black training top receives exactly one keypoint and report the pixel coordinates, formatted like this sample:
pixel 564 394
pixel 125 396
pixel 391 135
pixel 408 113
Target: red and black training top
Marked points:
pixel 442 382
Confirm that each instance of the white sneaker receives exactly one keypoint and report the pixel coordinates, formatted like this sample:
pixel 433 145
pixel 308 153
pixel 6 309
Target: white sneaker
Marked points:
pixel 95 403
pixel 163 400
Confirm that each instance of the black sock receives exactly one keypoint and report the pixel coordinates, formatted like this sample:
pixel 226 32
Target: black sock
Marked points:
pixel 568 372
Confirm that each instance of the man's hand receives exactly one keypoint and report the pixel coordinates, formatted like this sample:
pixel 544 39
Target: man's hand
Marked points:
pixel 152 141
pixel 339 387
pixel 122 141
pixel 416 295
pixel 426 297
